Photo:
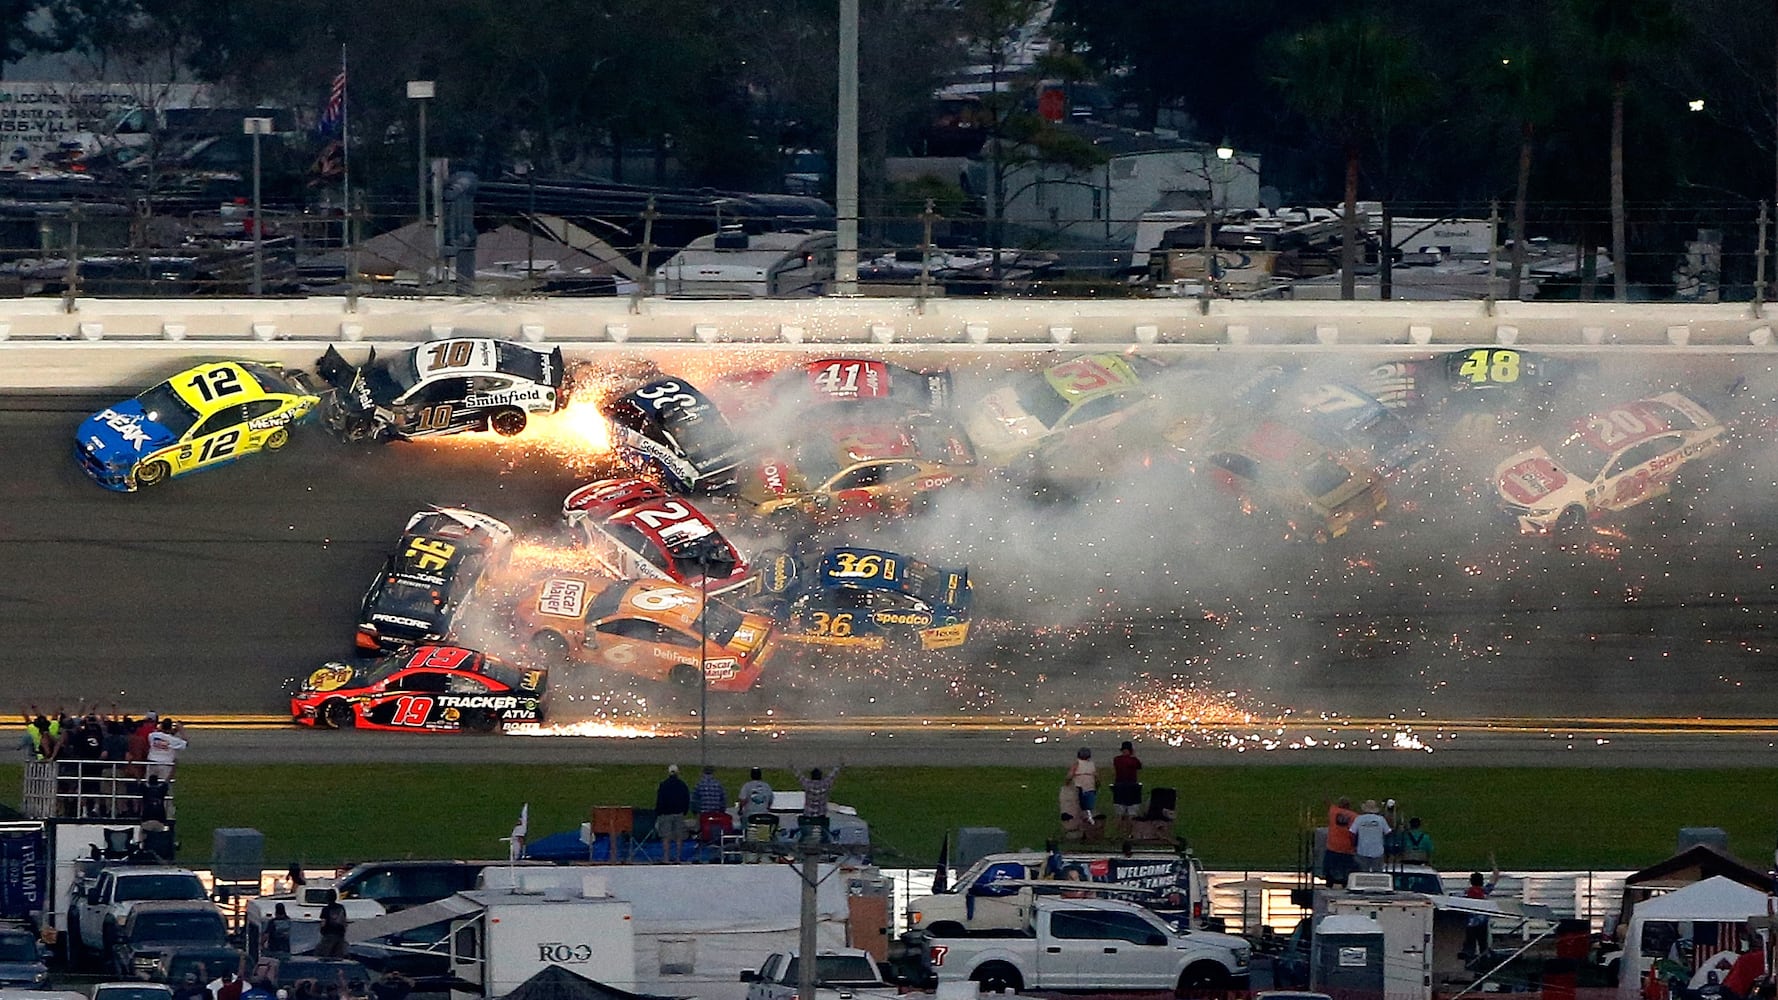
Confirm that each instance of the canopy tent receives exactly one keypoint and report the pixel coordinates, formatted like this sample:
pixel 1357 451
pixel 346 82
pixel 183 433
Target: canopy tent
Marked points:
pixel 1710 916
pixel 556 983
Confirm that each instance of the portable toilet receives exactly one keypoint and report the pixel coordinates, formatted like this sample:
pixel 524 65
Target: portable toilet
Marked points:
pixel 1347 956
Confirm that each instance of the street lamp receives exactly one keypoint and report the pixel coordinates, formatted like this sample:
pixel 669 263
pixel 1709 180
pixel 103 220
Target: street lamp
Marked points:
pixel 257 127
pixel 422 91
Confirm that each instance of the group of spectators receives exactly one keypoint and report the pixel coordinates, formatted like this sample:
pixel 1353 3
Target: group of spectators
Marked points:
pixel 709 802
pixel 143 751
pixel 1368 839
pixel 1078 799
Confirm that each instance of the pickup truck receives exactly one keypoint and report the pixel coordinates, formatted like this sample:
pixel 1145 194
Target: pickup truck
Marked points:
pixel 839 975
pixel 102 905
pixel 1092 945
pixel 131 990
pixel 162 940
pixel 996 892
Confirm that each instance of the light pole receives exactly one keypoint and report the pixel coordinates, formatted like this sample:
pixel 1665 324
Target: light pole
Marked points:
pixel 257 127
pixel 422 91
pixel 702 556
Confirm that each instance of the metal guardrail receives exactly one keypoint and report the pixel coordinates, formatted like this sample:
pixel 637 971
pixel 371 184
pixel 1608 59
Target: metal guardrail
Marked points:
pixel 87 789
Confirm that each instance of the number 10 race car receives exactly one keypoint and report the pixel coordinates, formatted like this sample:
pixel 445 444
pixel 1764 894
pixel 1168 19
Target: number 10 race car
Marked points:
pixel 441 388
pixel 429 689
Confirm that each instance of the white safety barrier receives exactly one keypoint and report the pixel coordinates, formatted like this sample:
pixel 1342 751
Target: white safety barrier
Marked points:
pixel 106 343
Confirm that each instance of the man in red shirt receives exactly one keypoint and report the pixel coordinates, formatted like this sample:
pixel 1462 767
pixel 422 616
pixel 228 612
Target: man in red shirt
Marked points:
pixel 1126 786
pixel 1748 967
pixel 1337 861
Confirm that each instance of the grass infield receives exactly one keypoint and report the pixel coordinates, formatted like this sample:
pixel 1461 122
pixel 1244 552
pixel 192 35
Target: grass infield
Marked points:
pixel 1235 817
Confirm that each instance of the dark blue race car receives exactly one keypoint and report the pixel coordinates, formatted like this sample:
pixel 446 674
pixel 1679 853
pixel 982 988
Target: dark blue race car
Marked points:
pixel 864 598
pixel 669 431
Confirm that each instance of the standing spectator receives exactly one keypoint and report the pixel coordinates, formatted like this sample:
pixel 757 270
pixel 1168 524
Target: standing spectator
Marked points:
pixel 1126 785
pixel 43 733
pixel 671 801
pixel 333 931
pixel 1369 833
pixel 709 796
pixel 1416 844
pixel 277 932
pixel 1475 932
pixel 816 789
pixel 117 742
pixel 1084 776
pixel 191 989
pixel 227 986
pixel 756 796
pixel 1336 861
pixel 139 739
pixel 164 745
pixel 154 799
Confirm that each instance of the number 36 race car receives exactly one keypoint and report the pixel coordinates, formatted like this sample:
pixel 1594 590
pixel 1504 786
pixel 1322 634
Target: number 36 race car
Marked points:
pixel 429 689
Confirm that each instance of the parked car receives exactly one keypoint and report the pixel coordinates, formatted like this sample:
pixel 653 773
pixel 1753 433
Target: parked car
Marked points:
pixel 163 939
pixel 23 960
pixel 840 974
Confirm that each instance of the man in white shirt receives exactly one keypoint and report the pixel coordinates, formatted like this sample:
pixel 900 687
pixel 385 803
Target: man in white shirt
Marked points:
pixel 164 745
pixel 1370 831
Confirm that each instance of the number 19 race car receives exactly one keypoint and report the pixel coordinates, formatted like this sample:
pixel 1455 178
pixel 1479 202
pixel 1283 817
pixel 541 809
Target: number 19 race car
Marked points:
pixel 439 562
pixel 199 419
pixel 443 387
pixel 866 598
pixel 429 689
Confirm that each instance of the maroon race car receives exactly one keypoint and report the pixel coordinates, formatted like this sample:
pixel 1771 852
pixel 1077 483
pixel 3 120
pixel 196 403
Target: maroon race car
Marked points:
pixel 428 689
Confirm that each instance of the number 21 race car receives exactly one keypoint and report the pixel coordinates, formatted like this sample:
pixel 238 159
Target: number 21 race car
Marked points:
pixel 429 689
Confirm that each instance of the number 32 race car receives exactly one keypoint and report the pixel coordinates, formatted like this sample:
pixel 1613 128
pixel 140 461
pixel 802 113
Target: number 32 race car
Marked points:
pixel 429 689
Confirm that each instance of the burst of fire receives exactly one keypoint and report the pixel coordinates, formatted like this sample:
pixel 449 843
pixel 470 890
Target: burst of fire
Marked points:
pixel 578 436
pixel 591 727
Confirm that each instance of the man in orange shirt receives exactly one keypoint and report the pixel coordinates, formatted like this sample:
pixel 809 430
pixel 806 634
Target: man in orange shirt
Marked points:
pixel 1337 861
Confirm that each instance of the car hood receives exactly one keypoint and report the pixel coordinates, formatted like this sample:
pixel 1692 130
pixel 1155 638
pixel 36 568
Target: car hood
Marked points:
pixel 999 424
pixel 1531 478
pixel 331 677
pixel 122 432
pixel 774 478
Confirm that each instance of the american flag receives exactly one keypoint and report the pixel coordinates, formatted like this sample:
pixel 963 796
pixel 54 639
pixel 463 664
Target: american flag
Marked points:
pixel 333 115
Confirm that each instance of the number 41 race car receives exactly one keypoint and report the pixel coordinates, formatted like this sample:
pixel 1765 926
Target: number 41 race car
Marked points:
pixel 429 689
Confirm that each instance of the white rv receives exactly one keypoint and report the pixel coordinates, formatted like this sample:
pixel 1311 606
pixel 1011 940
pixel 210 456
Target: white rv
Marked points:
pixel 736 264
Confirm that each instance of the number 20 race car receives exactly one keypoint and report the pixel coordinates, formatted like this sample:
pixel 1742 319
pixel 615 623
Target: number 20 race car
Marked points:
pixel 429 689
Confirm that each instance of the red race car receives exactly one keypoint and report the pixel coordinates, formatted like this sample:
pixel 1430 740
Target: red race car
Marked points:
pixel 427 689
pixel 636 530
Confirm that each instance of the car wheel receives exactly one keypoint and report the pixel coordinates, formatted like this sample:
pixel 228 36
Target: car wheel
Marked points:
pixel 1571 519
pixel 998 977
pixel 338 714
pixel 507 422
pixel 684 675
pixel 277 439
pixel 479 720
pixel 550 646
pixel 1201 978
pixel 152 473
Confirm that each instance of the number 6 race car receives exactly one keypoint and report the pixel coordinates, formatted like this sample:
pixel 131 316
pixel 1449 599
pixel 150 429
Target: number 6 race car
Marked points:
pixel 1614 459
pixel 199 419
pixel 429 689
pixel 441 388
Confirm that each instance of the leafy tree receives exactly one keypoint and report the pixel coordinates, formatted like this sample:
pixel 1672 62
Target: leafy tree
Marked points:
pixel 1353 79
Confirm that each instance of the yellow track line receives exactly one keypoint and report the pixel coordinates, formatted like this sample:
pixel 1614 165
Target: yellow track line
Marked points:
pixel 1033 725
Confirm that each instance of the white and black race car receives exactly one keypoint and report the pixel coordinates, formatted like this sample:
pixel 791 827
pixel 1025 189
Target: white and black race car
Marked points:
pixel 443 387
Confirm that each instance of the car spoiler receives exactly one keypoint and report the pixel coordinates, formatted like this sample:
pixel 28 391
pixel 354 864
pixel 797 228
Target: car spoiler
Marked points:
pixel 337 373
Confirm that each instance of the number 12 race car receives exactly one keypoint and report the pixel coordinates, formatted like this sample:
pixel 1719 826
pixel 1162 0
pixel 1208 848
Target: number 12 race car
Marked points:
pixel 441 388
pixel 429 689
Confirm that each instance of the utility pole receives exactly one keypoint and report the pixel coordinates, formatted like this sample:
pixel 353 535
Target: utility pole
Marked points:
pixel 808 848
pixel 846 165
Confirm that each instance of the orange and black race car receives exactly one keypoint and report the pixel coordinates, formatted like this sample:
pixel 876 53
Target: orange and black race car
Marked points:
pixel 428 689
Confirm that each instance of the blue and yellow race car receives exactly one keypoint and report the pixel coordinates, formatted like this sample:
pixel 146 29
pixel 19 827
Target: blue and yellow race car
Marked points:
pixel 864 598
pixel 199 419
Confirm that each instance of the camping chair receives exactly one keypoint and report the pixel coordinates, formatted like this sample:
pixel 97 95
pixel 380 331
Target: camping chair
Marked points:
pixel 759 834
pixel 714 830
pixel 641 833
pixel 1156 822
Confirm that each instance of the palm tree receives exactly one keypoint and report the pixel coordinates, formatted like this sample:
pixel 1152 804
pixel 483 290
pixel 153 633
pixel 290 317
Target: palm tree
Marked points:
pixel 1353 79
pixel 1525 86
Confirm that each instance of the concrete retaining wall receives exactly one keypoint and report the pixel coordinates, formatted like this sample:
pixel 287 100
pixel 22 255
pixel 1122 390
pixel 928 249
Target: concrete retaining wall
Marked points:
pixel 105 343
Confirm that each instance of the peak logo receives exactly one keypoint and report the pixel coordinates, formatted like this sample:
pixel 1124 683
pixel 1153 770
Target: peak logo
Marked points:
pixel 127 427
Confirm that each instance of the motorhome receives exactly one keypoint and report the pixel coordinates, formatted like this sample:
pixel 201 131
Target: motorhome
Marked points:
pixel 733 263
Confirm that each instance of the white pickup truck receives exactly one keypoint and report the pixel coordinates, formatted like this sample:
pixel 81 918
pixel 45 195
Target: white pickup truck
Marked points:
pixel 841 974
pixel 996 892
pixel 102 906
pixel 1092 945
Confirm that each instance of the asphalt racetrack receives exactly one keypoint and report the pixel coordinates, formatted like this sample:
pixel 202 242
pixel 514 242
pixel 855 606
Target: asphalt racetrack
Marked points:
pixel 1152 609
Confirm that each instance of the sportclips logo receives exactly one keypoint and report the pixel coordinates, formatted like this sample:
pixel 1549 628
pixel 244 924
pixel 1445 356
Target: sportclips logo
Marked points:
pixel 563 953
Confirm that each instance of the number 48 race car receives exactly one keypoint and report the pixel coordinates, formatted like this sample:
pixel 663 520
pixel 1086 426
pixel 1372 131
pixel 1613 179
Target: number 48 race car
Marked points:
pixel 430 689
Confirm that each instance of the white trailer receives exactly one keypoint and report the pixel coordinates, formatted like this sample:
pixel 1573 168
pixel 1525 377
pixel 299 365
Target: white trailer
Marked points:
pixel 1406 919
pixel 497 940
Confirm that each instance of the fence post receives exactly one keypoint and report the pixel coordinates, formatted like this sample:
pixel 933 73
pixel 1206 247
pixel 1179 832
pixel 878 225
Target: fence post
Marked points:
pixel 71 290
pixel 645 287
pixel 924 288
pixel 1493 253
pixel 1759 280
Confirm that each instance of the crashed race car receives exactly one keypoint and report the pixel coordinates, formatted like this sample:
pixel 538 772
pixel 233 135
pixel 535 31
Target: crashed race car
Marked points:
pixel 669 430
pixel 634 529
pixel 429 689
pixel 1319 495
pixel 858 383
pixel 865 598
pixel 445 387
pixel 441 560
pixel 848 469
pixel 1611 460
